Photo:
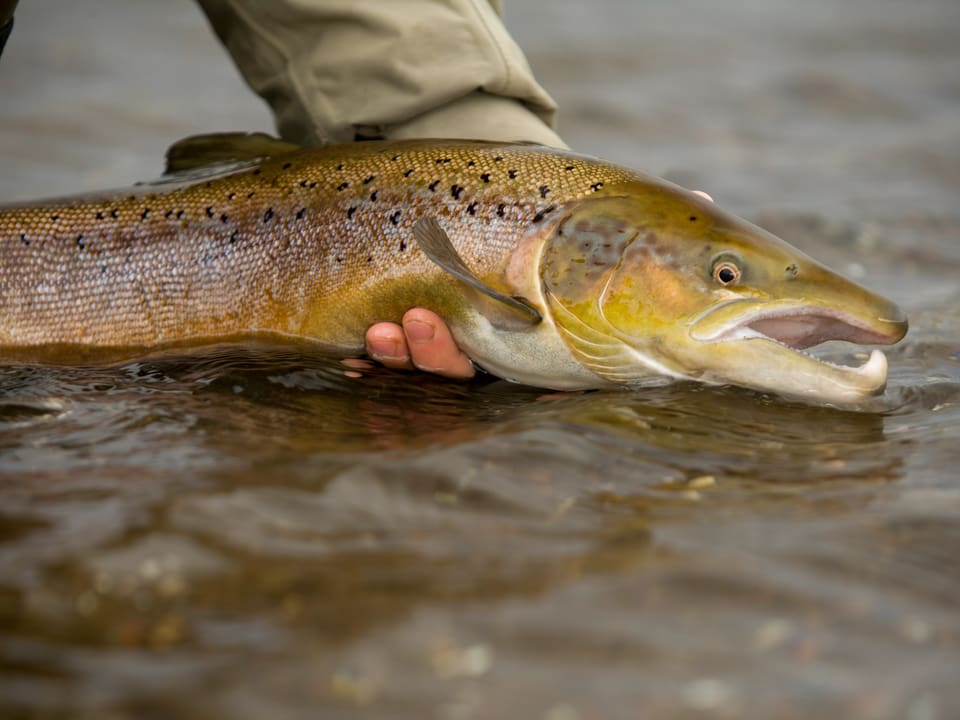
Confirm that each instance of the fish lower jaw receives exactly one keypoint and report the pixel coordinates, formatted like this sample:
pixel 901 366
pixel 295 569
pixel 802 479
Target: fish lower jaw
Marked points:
pixel 874 366
pixel 766 364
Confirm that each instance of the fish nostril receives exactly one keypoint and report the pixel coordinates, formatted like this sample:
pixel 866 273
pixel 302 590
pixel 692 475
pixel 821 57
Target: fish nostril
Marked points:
pixel 791 271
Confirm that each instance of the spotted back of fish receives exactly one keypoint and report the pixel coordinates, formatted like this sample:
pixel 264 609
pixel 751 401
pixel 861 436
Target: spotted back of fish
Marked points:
pixel 317 242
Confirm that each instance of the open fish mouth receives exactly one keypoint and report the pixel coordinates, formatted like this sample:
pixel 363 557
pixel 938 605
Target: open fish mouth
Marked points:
pixel 801 328
pixel 775 336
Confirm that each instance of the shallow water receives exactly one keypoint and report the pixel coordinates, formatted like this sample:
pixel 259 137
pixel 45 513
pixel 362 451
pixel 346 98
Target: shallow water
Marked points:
pixel 246 532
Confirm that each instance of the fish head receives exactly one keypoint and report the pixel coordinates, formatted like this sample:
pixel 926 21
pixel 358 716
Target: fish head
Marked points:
pixel 657 282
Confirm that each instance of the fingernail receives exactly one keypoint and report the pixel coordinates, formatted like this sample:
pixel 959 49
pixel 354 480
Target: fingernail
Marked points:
pixel 386 349
pixel 418 331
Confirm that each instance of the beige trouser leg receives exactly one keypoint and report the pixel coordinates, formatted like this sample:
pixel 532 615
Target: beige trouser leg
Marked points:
pixel 341 70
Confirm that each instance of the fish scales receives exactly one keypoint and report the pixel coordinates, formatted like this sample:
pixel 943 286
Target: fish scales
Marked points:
pixel 303 244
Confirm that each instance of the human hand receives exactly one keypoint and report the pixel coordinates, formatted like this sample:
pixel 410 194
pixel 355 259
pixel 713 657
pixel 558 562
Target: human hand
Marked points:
pixel 423 341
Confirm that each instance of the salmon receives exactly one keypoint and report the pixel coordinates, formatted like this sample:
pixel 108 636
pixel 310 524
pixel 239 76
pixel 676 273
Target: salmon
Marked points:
pixel 552 268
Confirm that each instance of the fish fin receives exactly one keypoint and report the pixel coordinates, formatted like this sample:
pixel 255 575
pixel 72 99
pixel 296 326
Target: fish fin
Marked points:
pixel 217 149
pixel 204 157
pixel 436 245
pixel 207 172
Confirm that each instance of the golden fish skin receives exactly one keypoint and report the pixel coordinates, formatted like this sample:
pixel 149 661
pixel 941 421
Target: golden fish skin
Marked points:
pixel 317 243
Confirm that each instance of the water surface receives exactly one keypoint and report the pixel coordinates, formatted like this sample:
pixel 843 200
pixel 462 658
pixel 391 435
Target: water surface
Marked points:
pixel 245 532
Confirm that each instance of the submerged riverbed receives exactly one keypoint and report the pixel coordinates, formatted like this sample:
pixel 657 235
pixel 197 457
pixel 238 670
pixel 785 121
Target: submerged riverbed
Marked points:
pixel 246 532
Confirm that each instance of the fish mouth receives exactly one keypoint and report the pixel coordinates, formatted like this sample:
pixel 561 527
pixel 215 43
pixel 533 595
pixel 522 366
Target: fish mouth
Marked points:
pixel 801 327
pixel 773 336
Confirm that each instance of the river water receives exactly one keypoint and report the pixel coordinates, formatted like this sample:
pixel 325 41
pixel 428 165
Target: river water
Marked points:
pixel 245 532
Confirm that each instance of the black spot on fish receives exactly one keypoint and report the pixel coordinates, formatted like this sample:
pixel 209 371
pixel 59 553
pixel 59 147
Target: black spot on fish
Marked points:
pixel 441 161
pixel 370 179
pixel 369 258
pixel 693 218
pixel 403 245
pixel 544 189
pixel 472 208
pixel 542 214
pixel 54 217
pixel 433 185
pixel 252 193
pixel 339 259
pixel 373 196
pixel 568 168
pixel 512 174
pixel 103 269
pixel 114 214
pixel 304 183
pixel 99 214
pixel 395 218
pixel 233 236
pixel 471 163
pixel 343 186
pixel 456 191
pixel 224 218
pixel 498 158
pixel 340 166
pixel 286 165
pixel 256 171
pixel 300 213
pixel 210 212
pixel 179 214
pixel 350 212
pixel 166 215
pixel 395 157
pixel 206 258
pixel 231 195
pixel 485 177
pixel 408 173
pixel 23 239
pixel 500 209
pixel 596 186
pixel 267 215
pixel 80 242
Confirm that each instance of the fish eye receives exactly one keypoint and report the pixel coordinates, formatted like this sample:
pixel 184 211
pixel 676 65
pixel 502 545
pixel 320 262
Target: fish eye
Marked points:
pixel 726 271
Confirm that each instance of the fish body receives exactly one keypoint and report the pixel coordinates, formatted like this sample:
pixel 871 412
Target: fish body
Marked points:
pixel 617 269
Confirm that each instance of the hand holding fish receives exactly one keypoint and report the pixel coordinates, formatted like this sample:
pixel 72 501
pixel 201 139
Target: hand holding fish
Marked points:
pixel 550 268
pixel 423 341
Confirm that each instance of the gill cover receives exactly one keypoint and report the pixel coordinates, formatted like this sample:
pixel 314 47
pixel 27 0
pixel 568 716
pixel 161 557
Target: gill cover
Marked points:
pixel 580 274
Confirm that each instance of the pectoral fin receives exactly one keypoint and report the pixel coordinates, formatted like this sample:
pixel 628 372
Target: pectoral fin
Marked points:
pixel 436 245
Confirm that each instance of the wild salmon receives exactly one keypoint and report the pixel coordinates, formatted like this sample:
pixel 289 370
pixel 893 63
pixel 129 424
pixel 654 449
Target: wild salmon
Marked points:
pixel 552 268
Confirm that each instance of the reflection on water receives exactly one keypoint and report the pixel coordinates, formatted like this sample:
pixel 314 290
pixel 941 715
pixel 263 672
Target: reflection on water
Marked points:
pixel 245 528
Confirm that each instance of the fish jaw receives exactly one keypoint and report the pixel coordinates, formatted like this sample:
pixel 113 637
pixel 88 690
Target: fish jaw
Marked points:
pixel 761 345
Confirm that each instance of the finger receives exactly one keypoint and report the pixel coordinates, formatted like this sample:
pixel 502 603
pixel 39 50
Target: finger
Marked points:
pixel 432 347
pixel 387 345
